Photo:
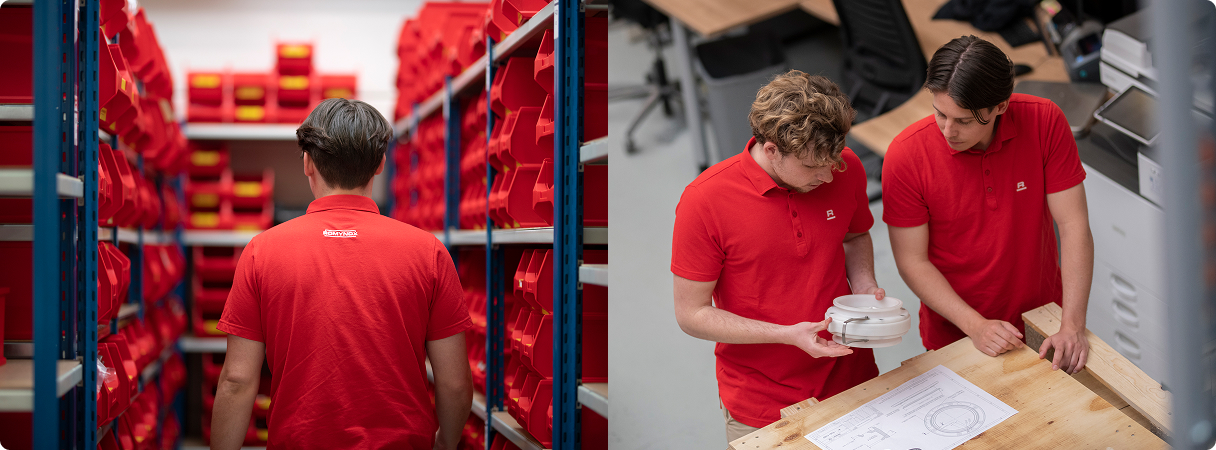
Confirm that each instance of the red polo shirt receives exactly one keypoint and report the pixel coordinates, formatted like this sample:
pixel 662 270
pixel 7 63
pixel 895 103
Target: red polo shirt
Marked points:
pixel 990 232
pixel 778 257
pixel 345 300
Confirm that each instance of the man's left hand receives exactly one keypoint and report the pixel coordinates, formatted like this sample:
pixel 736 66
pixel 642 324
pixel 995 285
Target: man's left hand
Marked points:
pixel 876 291
pixel 1072 350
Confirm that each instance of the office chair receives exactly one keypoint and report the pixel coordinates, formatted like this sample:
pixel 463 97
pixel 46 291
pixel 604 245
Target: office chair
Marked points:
pixel 883 63
pixel 658 89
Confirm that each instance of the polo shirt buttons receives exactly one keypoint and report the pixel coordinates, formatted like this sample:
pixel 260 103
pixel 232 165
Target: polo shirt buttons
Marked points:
pixel 795 213
pixel 989 188
pixel 987 172
pixel 799 234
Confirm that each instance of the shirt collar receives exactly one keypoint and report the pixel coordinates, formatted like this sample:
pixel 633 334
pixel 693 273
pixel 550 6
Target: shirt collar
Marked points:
pixel 759 178
pixel 1004 130
pixel 352 202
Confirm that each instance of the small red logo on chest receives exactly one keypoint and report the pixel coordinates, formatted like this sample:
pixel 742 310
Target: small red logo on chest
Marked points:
pixel 831 215
pixel 340 233
pixel 1021 186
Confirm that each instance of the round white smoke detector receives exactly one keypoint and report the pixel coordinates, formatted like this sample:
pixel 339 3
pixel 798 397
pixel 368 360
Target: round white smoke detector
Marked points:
pixel 863 321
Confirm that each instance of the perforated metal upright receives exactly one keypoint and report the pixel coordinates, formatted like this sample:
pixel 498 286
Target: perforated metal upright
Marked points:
pixel 451 158
pixel 86 137
pixel 568 223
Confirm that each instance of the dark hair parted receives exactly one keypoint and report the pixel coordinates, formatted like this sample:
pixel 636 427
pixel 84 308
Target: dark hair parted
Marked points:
pixel 973 72
pixel 803 114
pixel 346 139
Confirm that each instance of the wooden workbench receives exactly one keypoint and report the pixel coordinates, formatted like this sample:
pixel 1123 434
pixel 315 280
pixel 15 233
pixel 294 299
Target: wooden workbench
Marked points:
pixel 1054 409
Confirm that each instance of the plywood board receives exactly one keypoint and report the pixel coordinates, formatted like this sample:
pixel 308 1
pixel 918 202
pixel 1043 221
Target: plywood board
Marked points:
pixel 711 17
pixel 1111 369
pixel 1054 411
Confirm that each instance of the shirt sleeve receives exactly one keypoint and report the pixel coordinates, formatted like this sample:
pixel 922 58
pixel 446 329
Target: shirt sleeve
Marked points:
pixel 903 200
pixel 243 310
pixel 449 312
pixel 696 251
pixel 862 219
pixel 1061 163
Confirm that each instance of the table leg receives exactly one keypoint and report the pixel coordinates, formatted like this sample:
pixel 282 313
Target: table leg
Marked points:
pixel 688 90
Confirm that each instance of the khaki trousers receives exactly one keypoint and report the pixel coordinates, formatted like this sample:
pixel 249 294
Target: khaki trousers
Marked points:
pixel 735 429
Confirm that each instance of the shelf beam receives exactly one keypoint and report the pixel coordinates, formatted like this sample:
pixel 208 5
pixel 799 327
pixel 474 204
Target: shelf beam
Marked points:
pixel 191 344
pixel 240 132
pixel 218 238
pixel 17 383
pixel 16 113
pixel 16 233
pixel 595 151
pixel 596 274
pixel 594 396
pixel 507 426
pixel 20 183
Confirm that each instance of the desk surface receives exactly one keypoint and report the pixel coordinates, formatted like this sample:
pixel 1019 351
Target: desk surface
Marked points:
pixel 1054 410
pixel 711 17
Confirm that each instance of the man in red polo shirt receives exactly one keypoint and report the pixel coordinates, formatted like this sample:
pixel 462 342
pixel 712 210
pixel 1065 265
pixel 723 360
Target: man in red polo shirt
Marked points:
pixel 970 194
pixel 764 241
pixel 345 305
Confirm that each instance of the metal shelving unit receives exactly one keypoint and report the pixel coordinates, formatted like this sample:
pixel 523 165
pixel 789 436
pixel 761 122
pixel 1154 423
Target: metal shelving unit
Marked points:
pixel 17 383
pixel 217 238
pixel 20 183
pixel 567 237
pixel 17 113
pixel 191 344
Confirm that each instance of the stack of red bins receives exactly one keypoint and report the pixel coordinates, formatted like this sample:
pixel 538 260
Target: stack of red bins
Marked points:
pixel 515 100
pixel 216 198
pixel 418 183
pixel 286 94
pixel 472 270
pixel 258 431
pixel 472 437
pixel 443 40
pixel 214 268
pixel 473 164
pixel 529 377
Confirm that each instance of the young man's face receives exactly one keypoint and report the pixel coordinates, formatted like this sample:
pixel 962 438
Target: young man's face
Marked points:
pixel 958 125
pixel 800 175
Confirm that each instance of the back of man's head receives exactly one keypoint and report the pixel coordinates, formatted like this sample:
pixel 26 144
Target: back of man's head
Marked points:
pixel 346 140
pixel 803 115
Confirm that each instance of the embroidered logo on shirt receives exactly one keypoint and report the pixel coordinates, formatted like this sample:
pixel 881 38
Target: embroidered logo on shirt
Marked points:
pixel 831 215
pixel 340 233
pixel 1021 186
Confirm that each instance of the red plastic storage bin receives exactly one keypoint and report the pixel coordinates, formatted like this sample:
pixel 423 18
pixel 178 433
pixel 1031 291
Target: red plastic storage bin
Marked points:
pixel 210 295
pixel 518 188
pixel 259 217
pixel 114 17
pixel 252 190
pixel 118 96
pixel 294 90
pixel 293 59
pixel 207 158
pixel 18 278
pixel 339 86
pixel 250 88
pixel 292 114
pixel 17 145
pixel 518 137
pixel 208 88
pixel 17 52
pixel 514 87
pixel 250 114
pixel 3 296
pixel 534 401
pixel 208 192
pixel 216 263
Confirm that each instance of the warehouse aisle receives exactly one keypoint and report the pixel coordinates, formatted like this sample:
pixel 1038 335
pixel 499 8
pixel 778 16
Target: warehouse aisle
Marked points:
pixel 664 393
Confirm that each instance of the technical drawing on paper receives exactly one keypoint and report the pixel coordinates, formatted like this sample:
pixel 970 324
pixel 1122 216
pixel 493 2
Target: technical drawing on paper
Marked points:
pixel 937 410
pixel 954 418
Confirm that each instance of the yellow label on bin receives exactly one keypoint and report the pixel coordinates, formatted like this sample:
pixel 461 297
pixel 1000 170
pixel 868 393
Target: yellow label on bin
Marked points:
pixel 294 51
pixel 205 81
pixel 210 327
pixel 250 93
pixel 293 82
pixel 263 435
pixel 250 113
pixel 246 227
pixel 122 84
pixel 102 113
pixel 205 219
pixel 247 189
pixel 205 158
pixel 205 200
pixel 263 402
pixel 336 93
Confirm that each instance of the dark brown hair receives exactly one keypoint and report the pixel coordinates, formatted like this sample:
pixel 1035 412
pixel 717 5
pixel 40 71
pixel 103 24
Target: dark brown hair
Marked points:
pixel 973 72
pixel 802 114
pixel 346 139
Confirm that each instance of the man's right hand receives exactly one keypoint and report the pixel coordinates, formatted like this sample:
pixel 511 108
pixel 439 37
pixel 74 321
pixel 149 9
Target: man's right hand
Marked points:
pixel 993 337
pixel 805 336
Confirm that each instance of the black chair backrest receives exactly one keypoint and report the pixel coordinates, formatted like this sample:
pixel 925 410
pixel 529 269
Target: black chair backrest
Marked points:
pixel 639 12
pixel 880 46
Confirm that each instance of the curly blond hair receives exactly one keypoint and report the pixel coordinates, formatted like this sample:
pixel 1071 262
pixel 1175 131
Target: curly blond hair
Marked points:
pixel 803 114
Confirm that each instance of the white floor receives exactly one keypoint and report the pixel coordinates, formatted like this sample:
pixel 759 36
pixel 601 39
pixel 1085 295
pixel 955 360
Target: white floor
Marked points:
pixel 663 391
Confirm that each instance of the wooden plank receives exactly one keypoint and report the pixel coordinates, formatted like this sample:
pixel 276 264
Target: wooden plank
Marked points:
pixel 1054 411
pixel 710 18
pixel 790 410
pixel 1110 368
